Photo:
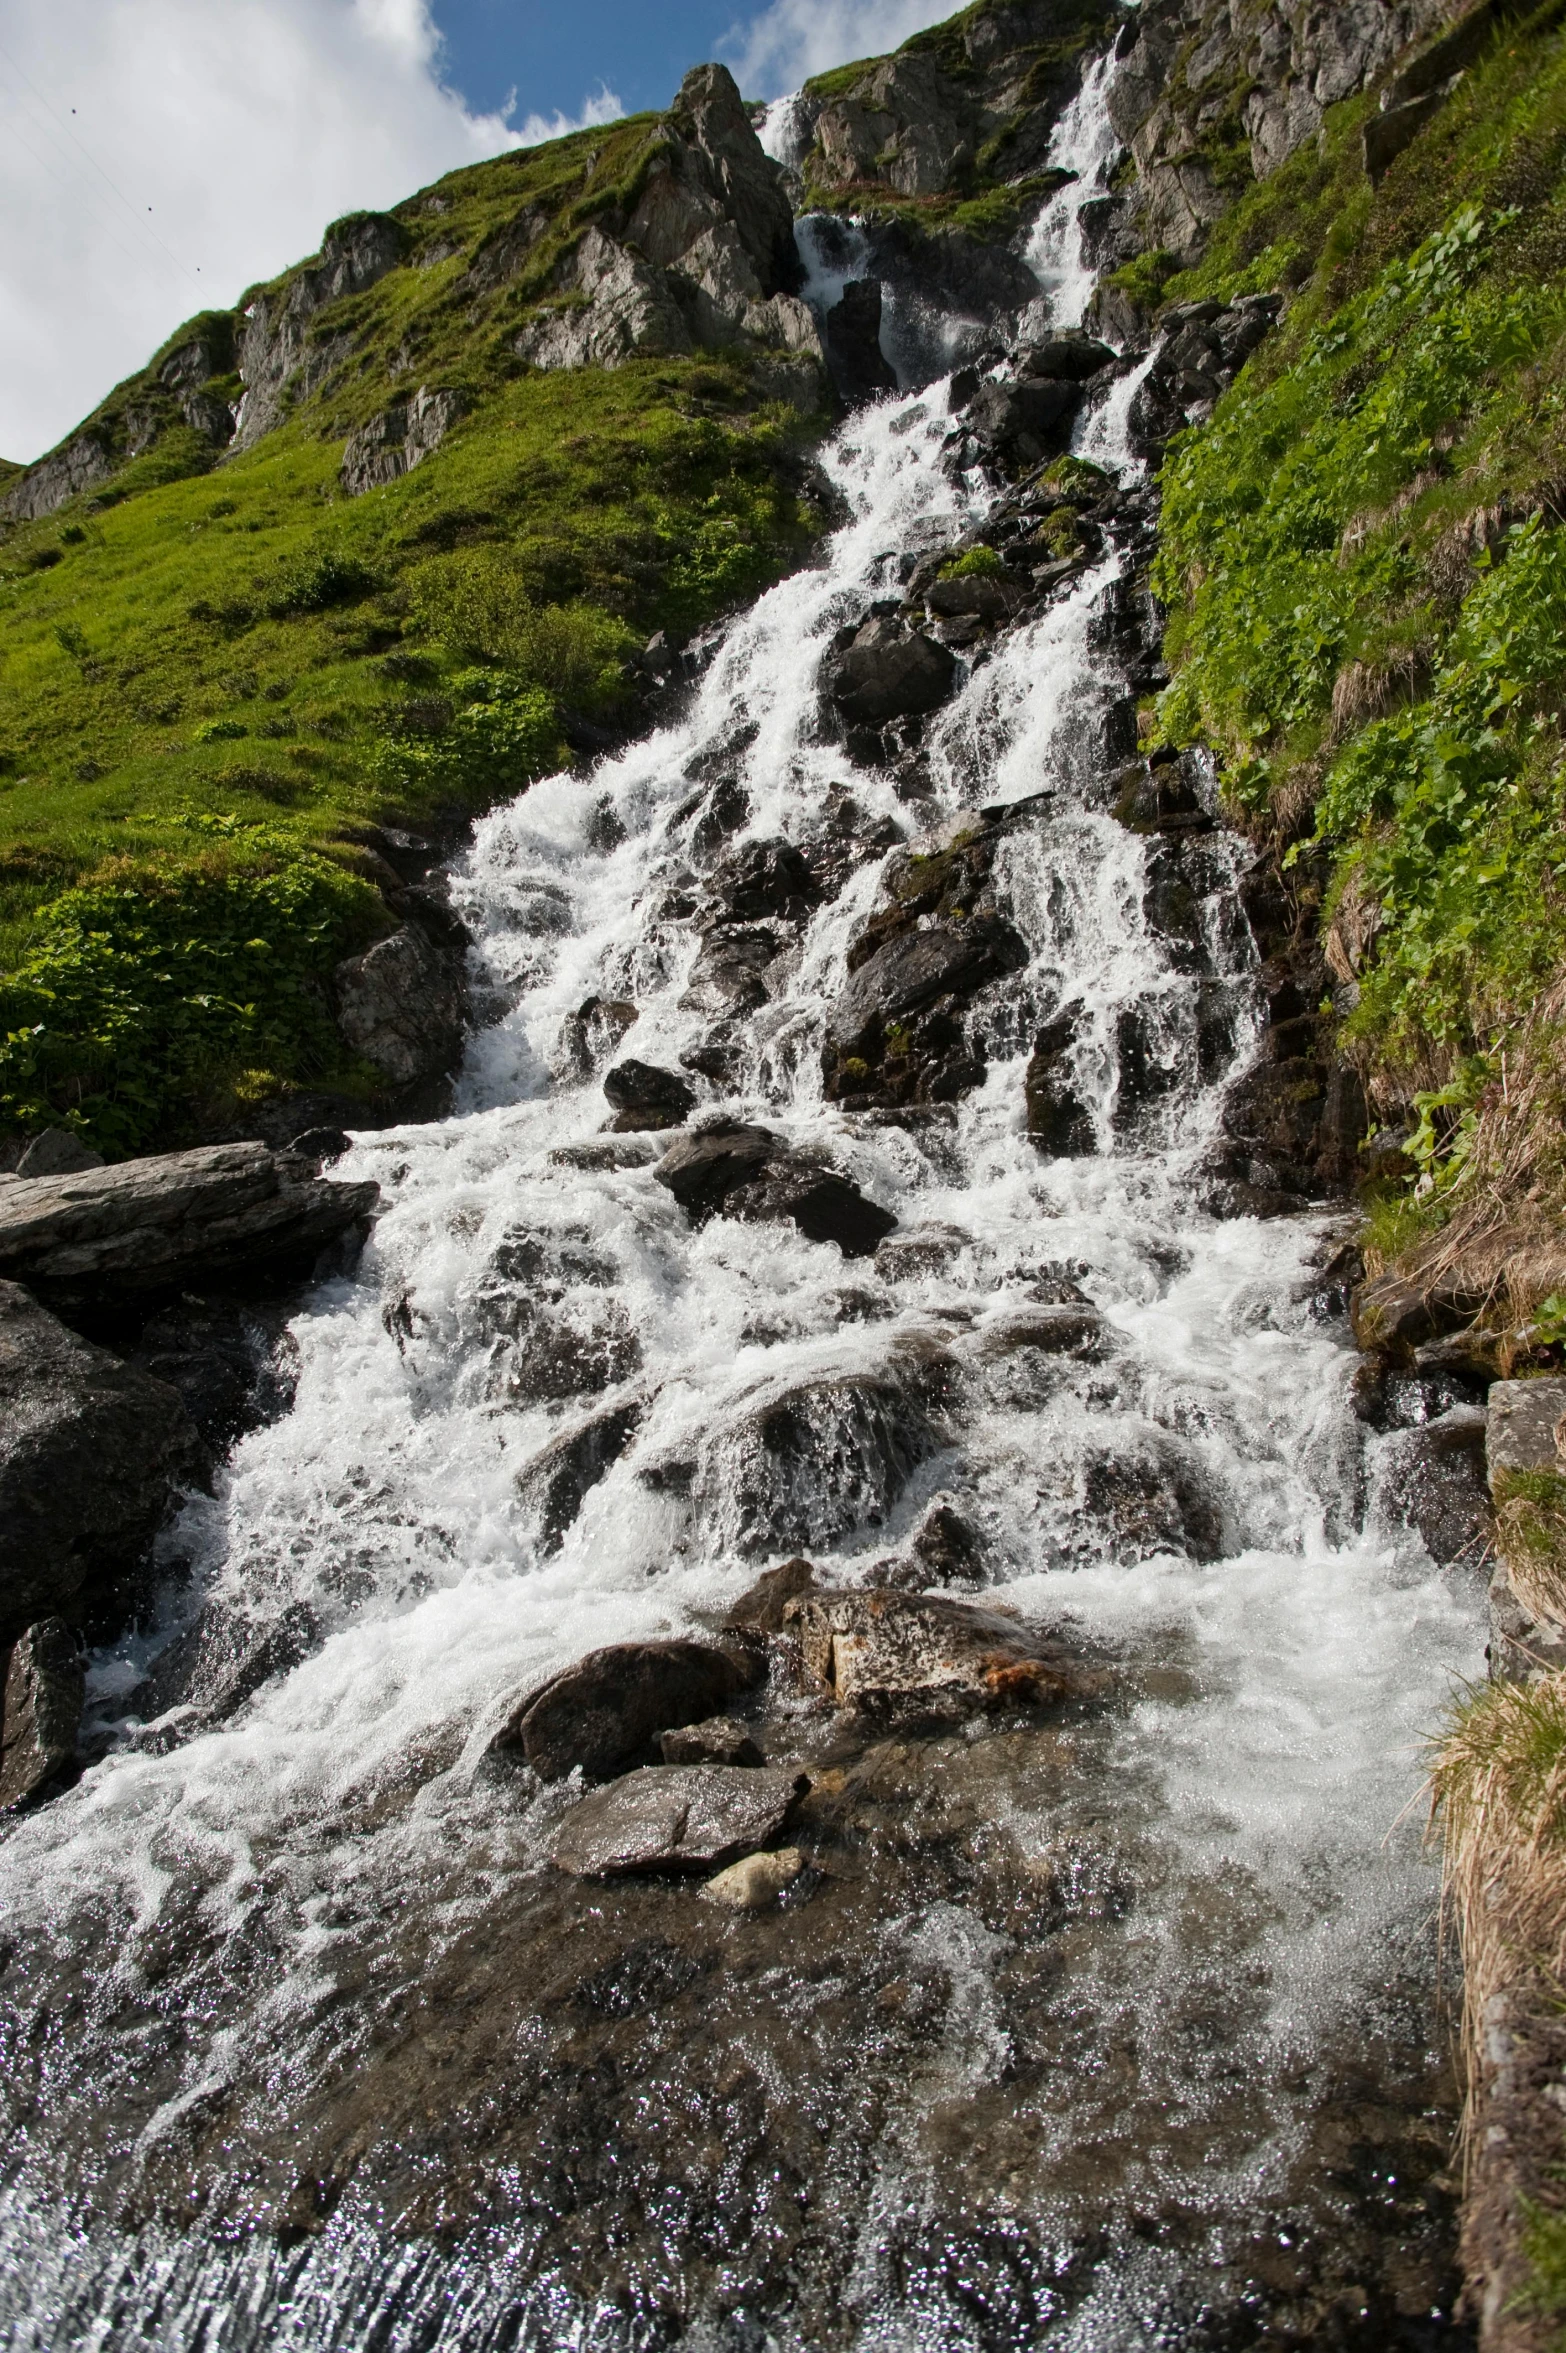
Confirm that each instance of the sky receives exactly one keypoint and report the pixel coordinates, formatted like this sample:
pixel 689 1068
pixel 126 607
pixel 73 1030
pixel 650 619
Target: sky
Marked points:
pixel 159 156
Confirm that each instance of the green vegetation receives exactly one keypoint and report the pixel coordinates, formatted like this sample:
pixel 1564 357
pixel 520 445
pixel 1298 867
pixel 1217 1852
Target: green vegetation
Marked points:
pixel 215 681
pixel 979 563
pixel 1365 559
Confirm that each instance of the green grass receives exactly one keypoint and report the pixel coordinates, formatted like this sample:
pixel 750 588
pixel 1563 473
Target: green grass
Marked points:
pixel 1366 682
pixel 211 677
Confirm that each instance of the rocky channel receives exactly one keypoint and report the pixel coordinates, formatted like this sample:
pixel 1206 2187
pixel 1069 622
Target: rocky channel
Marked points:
pixel 754 1691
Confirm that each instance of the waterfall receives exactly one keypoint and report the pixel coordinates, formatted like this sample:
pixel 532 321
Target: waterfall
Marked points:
pixel 1209 1903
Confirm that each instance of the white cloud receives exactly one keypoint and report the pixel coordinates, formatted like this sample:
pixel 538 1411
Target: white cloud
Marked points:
pixel 605 107
pixel 792 39
pixel 158 156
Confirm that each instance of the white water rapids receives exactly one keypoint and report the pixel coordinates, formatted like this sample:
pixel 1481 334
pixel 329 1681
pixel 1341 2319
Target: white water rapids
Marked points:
pixel 1304 1664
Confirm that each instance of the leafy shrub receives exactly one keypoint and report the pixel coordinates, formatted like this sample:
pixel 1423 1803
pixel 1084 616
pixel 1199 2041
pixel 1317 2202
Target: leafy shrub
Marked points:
pixel 143 989
pixel 476 601
pixel 502 734
pixel 319 581
pixel 221 731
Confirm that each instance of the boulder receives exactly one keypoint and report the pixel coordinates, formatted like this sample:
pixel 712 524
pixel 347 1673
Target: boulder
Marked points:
pixel 1067 359
pixel 57 1152
pixel 1433 1481
pixel 403 1006
pixel 604 1712
pixel 889 671
pixel 813 1460
pixel 859 368
pixel 758 1879
pixel 1029 421
pixel 894 1032
pixel 1059 1120
pixel 888 1654
pixel 1147 1496
pixel 717 1740
pixel 945 1548
pixel 176 1220
pixel 703 1169
pixel 729 976
pixel 675 1818
pixel 732 1170
pixel 556 1482
pixel 91 1454
pixel 643 1096
pixel 1395 1313
pixel 759 1609
pixel 765 879
pixel 41 1710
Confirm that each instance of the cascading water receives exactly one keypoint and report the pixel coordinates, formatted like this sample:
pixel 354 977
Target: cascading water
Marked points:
pixel 1108 2035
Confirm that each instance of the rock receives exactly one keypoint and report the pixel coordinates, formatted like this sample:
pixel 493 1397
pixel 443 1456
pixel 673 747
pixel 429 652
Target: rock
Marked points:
pixel 982 597
pixel 717 1740
pixel 1433 1481
pixel 765 878
pixel 1066 1330
pixel 811 1460
pixel 556 1482
pixel 1521 1430
pixel 1385 136
pixel 629 312
pixel 729 976
pixel 223 1659
pixel 1203 349
pixel 1148 1497
pixel 732 1170
pixel 760 1607
pixel 945 1548
pixel 703 1169
pixel 1396 1313
pixel 643 1096
pixel 393 443
pixel 91 1454
pixel 675 1818
pixel 41 1710
pixel 757 1880
pixel 925 1250
pixel 894 1020
pixel 592 1031
pixel 741 174
pixel 403 1006
pixel 887 1653
pixel 57 1152
pixel 175 1220
pixel 858 366
pixel 1059 1119
pixel 1029 421
pixel 231 1365
pixel 278 354
pixel 888 671
pixel 1069 358
pixel 603 1713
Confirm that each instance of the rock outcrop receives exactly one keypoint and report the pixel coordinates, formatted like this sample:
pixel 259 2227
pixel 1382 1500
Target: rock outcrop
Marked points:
pixel 403 1006
pixel 172 1221
pixel 283 354
pixel 399 439
pixel 92 1452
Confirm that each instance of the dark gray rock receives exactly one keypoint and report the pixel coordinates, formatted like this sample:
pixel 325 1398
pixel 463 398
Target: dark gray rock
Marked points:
pixel 174 1220
pixel 703 1169
pixel 1028 421
pixel 765 879
pixel 41 1710
pixel 1433 1481
pixel 732 1170
pixel 888 671
pixel 909 972
pixel 556 1482
pixel 1059 1120
pixel 1147 1495
pixel 1205 346
pixel 403 1006
pixel 859 368
pixel 717 1740
pixel 91 1454
pixel 57 1152
pixel 730 974
pixel 759 1609
pixel 946 1548
pixel 675 1818
pixel 893 1654
pixel 601 1714
pixel 643 1096
pixel 592 1031
pixel 816 1459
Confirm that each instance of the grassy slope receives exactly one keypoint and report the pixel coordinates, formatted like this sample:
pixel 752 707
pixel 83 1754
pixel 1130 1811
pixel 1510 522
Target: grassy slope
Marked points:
pixel 1366 564
pixel 209 679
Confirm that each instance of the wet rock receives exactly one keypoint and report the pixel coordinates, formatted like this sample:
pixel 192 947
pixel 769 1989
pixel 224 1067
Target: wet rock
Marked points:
pixel 1069 358
pixel 759 1609
pixel 1071 1330
pixel 759 1879
pixel 896 1034
pixel 981 598
pixel 602 1713
pixel 921 1251
pixel 858 367
pixel 403 1006
pixel 557 1481
pixel 208 1673
pixel 1291 1130
pixel 1433 1481
pixel 176 1220
pixel 703 1169
pixel 41 1710
pixel 231 1365
pixel 762 879
pixel 592 1031
pixel 1059 1119
pixel 730 974
pixel 1395 1313
pixel 583 1346
pixel 814 1459
pixel 886 1653
pixel 888 671
pixel 1205 345
pixel 643 1096
pixel 1029 421
pixel 946 1548
pixel 675 1818
pixel 732 1170
pixel 91 1454
pixel 1148 1496
pixel 717 1740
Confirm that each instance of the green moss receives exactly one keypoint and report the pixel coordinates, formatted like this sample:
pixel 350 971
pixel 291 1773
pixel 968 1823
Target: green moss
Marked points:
pixel 978 563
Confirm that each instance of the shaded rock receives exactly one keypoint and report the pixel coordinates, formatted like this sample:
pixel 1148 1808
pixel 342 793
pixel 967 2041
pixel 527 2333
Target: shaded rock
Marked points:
pixel 1395 1313
pixel 760 1607
pixel 176 1219
pixel 643 1096
pixel 814 1459
pixel 403 1006
pixel 757 1880
pixel 41 1710
pixel 602 1713
pixel 231 1365
pixel 889 671
pixel 1067 358
pixel 220 1661
pixel 749 184
pixel 703 1169
pixel 57 1152
pixel 556 1482
pixel 888 1653
pixel 1148 1496
pixel 1433 1481
pixel 91 1453
pixel 858 367
pixel 732 1170
pixel 1059 1119
pixel 729 976
pixel 945 1548
pixel 1029 421
pixel 1204 347
pixel 592 1031
pixel 675 1818
pixel 717 1740
pixel 765 878
pixel 924 1250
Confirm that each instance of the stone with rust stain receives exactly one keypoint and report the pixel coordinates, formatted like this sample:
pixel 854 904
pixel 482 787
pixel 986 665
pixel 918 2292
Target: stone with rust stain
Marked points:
pixel 888 1652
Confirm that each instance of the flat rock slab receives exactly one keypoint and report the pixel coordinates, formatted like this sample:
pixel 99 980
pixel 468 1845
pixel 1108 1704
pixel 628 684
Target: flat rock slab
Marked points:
pixel 173 1218
pixel 885 1652
pixel 675 1818
pixel 1520 1435
pixel 601 1714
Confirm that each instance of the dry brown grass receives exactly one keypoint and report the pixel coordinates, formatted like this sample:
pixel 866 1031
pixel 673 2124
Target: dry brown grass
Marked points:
pixel 1498 1794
